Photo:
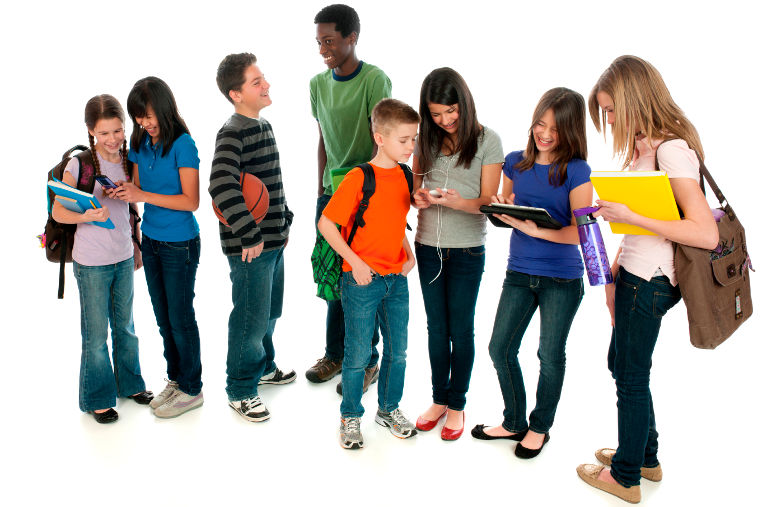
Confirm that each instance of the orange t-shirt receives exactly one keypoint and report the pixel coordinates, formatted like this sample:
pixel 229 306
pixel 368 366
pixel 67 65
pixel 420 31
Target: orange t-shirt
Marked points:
pixel 380 242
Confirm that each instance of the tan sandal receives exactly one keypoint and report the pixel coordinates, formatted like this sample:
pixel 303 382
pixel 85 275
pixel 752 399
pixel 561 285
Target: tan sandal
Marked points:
pixel 590 475
pixel 653 474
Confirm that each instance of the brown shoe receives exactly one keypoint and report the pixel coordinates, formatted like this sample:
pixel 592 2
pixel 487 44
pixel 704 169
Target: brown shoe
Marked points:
pixel 590 475
pixel 371 373
pixel 653 474
pixel 324 369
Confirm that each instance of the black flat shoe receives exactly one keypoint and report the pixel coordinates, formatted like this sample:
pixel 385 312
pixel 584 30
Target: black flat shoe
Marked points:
pixel 142 398
pixel 479 433
pixel 106 417
pixel 525 453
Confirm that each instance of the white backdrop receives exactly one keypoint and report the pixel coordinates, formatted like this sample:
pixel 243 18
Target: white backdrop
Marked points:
pixel 55 56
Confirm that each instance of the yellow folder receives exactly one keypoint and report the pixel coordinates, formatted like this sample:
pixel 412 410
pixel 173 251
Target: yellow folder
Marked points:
pixel 647 193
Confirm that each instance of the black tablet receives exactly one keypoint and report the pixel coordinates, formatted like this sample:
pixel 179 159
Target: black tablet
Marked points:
pixel 538 215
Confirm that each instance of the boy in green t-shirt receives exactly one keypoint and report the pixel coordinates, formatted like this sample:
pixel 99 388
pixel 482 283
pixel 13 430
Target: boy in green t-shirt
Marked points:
pixel 342 99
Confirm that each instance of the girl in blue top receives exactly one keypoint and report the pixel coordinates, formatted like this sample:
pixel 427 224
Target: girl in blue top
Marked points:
pixel 545 268
pixel 165 178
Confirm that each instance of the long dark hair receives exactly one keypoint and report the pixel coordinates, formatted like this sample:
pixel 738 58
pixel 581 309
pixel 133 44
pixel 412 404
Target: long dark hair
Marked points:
pixel 104 107
pixel 445 86
pixel 154 92
pixel 570 116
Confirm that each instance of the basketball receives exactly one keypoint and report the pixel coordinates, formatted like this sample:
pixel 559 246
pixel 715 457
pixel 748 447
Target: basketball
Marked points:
pixel 256 198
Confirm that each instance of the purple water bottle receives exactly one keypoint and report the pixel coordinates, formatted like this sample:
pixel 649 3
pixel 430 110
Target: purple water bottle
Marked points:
pixel 592 247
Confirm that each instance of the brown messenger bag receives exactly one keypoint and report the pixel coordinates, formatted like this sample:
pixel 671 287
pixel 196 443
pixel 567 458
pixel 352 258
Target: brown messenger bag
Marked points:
pixel 715 283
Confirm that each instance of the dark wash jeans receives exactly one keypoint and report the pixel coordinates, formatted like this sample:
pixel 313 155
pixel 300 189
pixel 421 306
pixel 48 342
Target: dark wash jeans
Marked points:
pixel 639 308
pixel 335 330
pixel 170 268
pixel 558 300
pixel 257 290
pixel 450 309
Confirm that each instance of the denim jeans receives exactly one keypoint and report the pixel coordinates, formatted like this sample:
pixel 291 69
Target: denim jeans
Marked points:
pixel 170 268
pixel 334 327
pixel 450 308
pixel 557 299
pixel 105 296
pixel 257 289
pixel 639 308
pixel 385 300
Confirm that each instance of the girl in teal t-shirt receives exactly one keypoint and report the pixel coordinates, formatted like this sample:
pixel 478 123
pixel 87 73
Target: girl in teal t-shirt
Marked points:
pixel 166 180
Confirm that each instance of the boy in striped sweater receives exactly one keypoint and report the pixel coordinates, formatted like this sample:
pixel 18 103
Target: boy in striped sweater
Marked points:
pixel 254 251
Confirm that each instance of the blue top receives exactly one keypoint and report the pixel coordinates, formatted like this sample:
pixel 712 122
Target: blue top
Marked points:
pixel 160 175
pixel 534 256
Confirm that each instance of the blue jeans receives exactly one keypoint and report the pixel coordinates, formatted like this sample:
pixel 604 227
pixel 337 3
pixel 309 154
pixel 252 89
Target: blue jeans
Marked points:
pixel 105 296
pixel 558 299
pixel 450 308
pixel 639 308
pixel 257 289
pixel 170 268
pixel 385 300
pixel 334 327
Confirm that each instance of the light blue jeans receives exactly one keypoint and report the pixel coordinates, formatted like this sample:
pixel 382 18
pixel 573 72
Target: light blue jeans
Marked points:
pixel 384 300
pixel 105 296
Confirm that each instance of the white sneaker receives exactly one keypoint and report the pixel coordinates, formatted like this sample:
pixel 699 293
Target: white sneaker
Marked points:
pixel 278 377
pixel 251 409
pixel 177 404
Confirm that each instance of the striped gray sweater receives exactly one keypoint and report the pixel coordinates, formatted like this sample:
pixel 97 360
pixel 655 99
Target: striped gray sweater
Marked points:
pixel 248 144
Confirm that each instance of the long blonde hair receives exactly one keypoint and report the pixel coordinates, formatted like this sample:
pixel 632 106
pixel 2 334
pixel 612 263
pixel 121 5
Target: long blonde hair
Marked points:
pixel 640 98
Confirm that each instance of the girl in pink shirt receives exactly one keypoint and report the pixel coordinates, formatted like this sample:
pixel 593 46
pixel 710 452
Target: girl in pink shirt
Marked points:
pixel 632 98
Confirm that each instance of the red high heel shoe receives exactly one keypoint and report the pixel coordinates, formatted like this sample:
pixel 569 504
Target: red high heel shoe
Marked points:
pixel 449 434
pixel 426 425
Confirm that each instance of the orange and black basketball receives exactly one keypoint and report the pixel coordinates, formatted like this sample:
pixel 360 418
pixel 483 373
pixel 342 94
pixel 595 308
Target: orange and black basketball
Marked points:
pixel 256 198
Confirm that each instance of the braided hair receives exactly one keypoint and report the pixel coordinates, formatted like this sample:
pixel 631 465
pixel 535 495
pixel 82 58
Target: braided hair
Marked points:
pixel 105 107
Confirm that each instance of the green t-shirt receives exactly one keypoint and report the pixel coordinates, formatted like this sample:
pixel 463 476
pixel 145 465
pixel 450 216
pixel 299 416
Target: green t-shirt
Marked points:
pixel 343 106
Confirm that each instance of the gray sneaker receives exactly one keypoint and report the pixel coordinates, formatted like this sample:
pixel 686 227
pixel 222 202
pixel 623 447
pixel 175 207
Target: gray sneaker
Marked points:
pixel 351 433
pixel 177 404
pixel 396 422
pixel 251 409
pixel 164 395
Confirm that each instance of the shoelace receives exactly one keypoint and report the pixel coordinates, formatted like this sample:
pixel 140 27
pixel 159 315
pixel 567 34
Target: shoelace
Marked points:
pixel 352 425
pixel 251 403
pixel 170 386
pixel 398 418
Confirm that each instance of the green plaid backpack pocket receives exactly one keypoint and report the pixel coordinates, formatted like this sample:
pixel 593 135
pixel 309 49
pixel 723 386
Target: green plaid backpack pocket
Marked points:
pixel 326 266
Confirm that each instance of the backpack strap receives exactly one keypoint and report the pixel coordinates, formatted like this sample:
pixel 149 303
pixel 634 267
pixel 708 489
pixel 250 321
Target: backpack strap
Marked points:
pixel 368 189
pixel 410 184
pixel 409 178
pixel 86 181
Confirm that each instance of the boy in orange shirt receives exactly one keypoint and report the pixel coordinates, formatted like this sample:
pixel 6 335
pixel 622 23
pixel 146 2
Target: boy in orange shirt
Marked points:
pixel 375 266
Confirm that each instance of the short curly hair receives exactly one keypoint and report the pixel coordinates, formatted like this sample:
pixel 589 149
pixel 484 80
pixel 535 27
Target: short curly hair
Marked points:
pixel 345 18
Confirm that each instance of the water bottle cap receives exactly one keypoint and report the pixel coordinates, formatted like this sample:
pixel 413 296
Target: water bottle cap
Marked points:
pixel 585 216
pixel 585 211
